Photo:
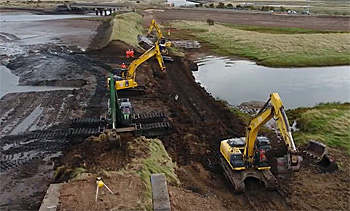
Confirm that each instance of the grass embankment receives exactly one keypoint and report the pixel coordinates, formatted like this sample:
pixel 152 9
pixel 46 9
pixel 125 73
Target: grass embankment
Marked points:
pixel 326 122
pixel 154 159
pixel 126 27
pixel 276 47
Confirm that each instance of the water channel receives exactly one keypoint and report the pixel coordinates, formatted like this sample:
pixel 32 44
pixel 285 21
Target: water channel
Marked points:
pixel 9 84
pixel 238 81
pixel 21 31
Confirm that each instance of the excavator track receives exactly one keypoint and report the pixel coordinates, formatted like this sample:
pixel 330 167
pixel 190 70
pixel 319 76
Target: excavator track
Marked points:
pixel 142 118
pixel 234 177
pixel 49 134
pixel 237 178
pixel 271 181
pixel 89 122
pixel 140 90
pixel 149 117
pixel 154 129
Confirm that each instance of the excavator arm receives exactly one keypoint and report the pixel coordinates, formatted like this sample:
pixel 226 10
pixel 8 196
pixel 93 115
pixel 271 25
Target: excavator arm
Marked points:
pixel 154 25
pixel 273 108
pixel 154 51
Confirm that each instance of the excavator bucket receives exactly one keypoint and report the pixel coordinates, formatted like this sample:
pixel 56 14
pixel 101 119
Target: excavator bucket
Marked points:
pixel 327 164
pixel 316 149
pixel 145 42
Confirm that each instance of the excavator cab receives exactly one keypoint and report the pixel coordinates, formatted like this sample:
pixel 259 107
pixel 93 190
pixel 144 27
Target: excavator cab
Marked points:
pixel 236 160
pixel 262 146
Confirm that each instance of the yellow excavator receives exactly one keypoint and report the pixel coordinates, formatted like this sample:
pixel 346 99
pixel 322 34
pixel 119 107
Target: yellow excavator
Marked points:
pixel 148 41
pixel 161 39
pixel 245 157
pixel 126 78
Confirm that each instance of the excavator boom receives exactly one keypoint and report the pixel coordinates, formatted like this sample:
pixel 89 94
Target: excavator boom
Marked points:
pixel 154 51
pixel 245 157
pixel 154 25
pixel 127 80
pixel 273 108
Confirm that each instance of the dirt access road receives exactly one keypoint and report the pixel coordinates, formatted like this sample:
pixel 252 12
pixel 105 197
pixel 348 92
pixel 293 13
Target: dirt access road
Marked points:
pixel 256 19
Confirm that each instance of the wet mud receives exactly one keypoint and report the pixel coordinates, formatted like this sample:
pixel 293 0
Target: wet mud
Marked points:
pixel 199 121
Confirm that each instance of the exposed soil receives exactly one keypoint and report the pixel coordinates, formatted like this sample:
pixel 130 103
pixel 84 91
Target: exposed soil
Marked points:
pixel 199 122
pixel 26 166
pixel 256 19
pixel 80 195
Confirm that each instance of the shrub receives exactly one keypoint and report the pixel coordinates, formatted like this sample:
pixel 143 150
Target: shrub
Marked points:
pixel 210 21
pixel 221 5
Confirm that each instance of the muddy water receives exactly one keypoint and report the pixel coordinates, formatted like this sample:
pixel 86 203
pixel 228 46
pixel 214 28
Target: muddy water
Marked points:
pixel 22 32
pixel 21 29
pixel 9 84
pixel 238 81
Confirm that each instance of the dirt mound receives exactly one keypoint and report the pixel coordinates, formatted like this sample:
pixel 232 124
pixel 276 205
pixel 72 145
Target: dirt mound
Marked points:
pixel 95 156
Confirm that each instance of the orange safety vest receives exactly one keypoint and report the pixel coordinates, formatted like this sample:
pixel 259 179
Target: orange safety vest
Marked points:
pixel 127 54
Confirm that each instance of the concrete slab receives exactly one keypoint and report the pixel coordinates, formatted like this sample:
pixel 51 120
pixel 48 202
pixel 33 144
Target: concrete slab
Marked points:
pixel 160 194
pixel 51 198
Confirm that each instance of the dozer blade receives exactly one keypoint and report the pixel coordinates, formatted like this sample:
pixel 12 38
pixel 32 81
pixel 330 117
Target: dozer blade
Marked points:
pixel 316 149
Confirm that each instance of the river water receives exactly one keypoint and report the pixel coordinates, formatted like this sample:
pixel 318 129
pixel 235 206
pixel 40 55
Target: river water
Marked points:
pixel 238 81
pixel 21 32
pixel 9 84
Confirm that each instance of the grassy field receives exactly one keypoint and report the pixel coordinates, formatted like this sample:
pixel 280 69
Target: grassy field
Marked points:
pixel 287 48
pixel 280 30
pixel 327 122
pixel 328 7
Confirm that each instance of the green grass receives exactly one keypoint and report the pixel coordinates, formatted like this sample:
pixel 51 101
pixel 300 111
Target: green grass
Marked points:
pixel 275 50
pixel 326 122
pixel 126 27
pixel 244 117
pixel 157 162
pixel 280 30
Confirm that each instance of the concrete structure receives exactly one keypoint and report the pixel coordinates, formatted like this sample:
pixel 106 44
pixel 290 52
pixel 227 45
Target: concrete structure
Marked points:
pixel 51 198
pixel 160 194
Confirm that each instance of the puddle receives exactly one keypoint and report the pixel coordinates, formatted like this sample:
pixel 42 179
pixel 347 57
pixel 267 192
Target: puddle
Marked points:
pixel 9 84
pixel 238 81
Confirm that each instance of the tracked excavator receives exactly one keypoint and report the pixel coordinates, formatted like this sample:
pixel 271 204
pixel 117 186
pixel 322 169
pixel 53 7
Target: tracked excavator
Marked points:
pixel 245 157
pixel 123 120
pixel 147 41
pixel 126 78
